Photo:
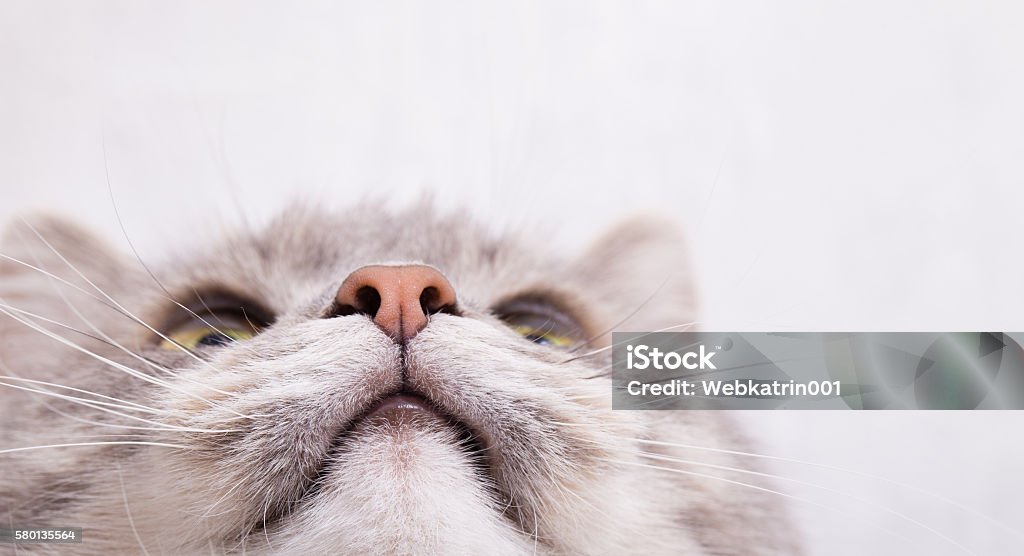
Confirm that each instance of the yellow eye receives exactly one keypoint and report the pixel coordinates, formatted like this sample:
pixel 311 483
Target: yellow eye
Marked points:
pixel 214 317
pixel 541 321
pixel 543 337
pixel 195 336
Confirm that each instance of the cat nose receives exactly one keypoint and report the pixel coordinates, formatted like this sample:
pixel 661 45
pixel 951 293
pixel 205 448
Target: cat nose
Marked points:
pixel 399 299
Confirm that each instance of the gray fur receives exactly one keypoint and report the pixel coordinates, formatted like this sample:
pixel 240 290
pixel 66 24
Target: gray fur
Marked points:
pixel 263 417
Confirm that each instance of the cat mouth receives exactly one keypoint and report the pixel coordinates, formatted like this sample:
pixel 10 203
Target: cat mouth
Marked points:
pixel 399 408
pixel 406 409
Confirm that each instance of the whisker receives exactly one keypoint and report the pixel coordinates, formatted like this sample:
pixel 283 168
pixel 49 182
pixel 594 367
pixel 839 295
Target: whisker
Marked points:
pixel 626 318
pixel 138 257
pixel 208 512
pixel 109 304
pixel 105 337
pixel 143 359
pixel 125 311
pixel 610 346
pixel 830 490
pixel 837 469
pixel 73 345
pixel 111 443
pixel 128 511
pixel 112 363
pixel 74 399
pixel 164 428
pixel 761 489
pixel 90 404
pixel 79 390
pixel 68 283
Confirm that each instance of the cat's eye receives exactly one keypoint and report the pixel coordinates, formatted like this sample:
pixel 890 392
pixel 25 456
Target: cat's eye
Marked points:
pixel 543 335
pixel 199 335
pixel 540 323
pixel 211 320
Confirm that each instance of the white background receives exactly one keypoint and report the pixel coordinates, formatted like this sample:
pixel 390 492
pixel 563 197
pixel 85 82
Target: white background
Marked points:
pixel 838 166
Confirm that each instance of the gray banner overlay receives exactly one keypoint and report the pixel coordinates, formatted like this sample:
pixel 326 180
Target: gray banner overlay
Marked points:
pixel 805 370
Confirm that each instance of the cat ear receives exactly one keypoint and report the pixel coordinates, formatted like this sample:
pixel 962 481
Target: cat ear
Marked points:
pixel 60 247
pixel 638 277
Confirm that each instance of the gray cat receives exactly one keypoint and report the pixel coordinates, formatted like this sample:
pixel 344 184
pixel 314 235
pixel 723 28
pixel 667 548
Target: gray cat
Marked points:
pixel 367 381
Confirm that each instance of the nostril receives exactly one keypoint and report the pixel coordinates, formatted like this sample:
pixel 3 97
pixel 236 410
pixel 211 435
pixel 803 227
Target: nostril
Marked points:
pixel 368 300
pixel 432 301
pixel 365 301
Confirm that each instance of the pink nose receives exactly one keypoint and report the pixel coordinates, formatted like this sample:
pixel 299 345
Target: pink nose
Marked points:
pixel 398 298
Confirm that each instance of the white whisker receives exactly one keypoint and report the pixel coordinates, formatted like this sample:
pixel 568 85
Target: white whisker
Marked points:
pixel 627 317
pixel 111 443
pixel 75 399
pixel 830 490
pixel 158 426
pixel 79 390
pixel 933 495
pixel 104 337
pixel 128 511
pixel 755 487
pixel 124 310
pixel 112 363
pixel 597 351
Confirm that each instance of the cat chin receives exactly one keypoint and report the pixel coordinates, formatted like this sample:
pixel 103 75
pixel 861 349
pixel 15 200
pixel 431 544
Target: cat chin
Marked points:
pixel 404 487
